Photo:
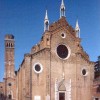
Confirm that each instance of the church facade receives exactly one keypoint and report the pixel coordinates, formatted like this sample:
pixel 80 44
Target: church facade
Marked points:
pixel 57 68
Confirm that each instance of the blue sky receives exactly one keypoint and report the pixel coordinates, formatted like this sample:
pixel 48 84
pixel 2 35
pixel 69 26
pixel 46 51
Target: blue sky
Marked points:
pixel 25 19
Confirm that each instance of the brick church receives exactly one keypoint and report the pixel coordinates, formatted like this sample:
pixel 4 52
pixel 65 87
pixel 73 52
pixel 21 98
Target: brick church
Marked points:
pixel 57 68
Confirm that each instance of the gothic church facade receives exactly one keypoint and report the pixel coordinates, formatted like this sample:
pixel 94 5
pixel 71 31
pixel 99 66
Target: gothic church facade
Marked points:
pixel 57 68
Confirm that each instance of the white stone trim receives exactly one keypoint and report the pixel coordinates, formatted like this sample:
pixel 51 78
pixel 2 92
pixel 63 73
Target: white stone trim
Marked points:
pixel 40 69
pixel 56 90
pixel 68 90
pixel 86 71
pixel 37 97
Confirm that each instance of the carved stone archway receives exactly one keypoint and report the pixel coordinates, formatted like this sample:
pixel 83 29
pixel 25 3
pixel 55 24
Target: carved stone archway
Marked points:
pixel 62 90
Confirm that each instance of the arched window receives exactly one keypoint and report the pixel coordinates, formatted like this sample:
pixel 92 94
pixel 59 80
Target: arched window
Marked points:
pixel 62 12
pixel 6 44
pixel 47 25
pixel 9 45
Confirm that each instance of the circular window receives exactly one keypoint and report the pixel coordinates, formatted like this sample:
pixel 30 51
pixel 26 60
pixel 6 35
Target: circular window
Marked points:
pixel 84 72
pixel 62 51
pixel 63 35
pixel 38 68
pixel 9 84
pixel 0 86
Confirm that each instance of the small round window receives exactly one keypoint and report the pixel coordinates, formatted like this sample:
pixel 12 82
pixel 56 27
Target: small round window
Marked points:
pixel 63 51
pixel 38 68
pixel 9 84
pixel 84 72
pixel 63 35
pixel 0 86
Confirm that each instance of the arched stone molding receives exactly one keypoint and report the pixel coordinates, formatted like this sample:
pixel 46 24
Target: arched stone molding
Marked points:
pixel 61 84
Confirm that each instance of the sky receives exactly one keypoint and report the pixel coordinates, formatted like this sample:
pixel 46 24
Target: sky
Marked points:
pixel 25 20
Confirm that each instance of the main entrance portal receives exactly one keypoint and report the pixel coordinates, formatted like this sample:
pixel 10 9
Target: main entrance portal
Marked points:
pixel 62 90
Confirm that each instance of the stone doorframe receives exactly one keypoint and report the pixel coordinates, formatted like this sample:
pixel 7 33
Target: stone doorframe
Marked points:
pixel 67 85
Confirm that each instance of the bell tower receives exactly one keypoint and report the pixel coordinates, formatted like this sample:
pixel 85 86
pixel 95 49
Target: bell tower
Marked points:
pixel 9 56
pixel 9 77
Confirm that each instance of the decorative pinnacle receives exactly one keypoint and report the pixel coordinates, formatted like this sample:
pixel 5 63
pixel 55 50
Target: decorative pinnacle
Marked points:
pixel 62 4
pixel 46 22
pixel 77 29
pixel 46 15
pixel 77 26
pixel 62 9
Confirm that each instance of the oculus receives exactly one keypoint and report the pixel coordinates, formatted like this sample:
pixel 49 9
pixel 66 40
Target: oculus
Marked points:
pixel 84 72
pixel 0 86
pixel 37 68
pixel 63 35
pixel 9 84
pixel 63 51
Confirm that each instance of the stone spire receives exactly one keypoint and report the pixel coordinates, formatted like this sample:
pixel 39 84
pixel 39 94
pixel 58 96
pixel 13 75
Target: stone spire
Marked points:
pixel 46 22
pixel 62 9
pixel 77 29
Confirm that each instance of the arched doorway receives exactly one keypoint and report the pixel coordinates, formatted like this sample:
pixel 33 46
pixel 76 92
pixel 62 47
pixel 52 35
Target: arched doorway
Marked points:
pixel 62 89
